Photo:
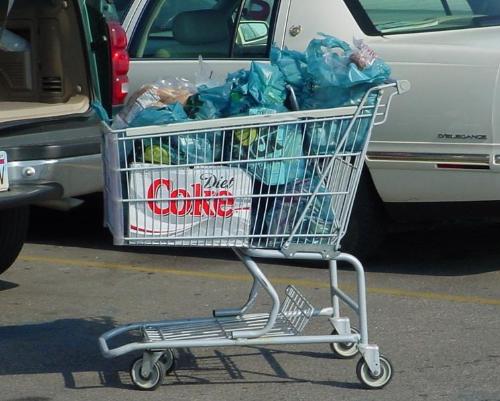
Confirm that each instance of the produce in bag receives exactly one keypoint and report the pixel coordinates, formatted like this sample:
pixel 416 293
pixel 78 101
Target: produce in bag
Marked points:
pixel 185 149
pixel 159 95
pixel 239 98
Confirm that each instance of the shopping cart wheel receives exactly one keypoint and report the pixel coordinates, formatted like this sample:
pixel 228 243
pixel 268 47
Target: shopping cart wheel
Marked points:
pixel 168 361
pixel 371 381
pixel 344 350
pixel 150 383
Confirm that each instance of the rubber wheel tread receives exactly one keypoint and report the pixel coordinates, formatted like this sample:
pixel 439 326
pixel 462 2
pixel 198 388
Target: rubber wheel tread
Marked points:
pixel 14 225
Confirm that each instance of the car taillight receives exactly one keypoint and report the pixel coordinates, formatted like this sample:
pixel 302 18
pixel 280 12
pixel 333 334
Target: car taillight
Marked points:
pixel 119 62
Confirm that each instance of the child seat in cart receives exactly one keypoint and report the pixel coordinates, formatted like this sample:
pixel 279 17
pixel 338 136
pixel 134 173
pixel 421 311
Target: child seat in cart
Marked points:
pixel 268 186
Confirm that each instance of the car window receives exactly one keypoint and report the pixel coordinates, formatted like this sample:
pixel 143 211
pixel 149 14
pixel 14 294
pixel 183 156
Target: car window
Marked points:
pixel 122 6
pixel 214 29
pixel 255 29
pixel 406 16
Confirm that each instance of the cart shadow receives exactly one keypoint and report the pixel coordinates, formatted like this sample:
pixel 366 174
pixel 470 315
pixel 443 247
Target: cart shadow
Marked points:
pixel 7 285
pixel 69 347
pixel 221 368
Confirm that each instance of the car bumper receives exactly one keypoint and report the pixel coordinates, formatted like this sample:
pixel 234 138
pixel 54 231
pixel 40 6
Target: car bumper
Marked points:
pixel 21 195
pixel 63 152
pixel 75 176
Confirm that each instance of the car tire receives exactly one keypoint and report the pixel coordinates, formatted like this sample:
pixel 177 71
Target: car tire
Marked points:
pixel 368 223
pixel 13 229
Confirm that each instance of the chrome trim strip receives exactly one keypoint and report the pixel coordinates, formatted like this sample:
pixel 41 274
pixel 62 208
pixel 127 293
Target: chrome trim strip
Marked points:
pixel 132 17
pixel 451 158
pixel 79 175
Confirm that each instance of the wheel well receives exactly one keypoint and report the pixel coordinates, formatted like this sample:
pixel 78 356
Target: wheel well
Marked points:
pixel 366 183
pixel 367 226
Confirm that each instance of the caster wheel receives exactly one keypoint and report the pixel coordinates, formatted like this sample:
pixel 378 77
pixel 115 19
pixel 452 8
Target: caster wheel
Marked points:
pixel 371 381
pixel 150 383
pixel 345 350
pixel 168 361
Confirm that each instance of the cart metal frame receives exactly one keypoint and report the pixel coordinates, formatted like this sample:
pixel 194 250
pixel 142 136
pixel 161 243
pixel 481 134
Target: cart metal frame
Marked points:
pixel 286 320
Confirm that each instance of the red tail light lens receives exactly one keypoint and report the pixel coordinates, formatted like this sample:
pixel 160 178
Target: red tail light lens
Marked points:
pixel 117 35
pixel 119 62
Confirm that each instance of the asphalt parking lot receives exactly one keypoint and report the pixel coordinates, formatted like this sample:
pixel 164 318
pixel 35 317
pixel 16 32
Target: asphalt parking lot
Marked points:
pixel 433 304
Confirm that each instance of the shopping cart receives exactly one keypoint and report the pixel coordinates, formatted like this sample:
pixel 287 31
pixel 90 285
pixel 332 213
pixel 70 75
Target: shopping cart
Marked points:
pixel 268 186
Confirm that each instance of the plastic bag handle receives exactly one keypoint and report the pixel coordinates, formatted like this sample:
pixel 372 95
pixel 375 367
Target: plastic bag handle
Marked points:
pixel 332 42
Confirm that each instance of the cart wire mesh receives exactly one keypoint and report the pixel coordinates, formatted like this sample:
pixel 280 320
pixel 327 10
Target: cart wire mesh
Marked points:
pixel 267 182
pixel 294 315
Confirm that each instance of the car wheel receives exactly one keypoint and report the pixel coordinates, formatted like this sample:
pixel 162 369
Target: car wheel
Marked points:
pixel 13 228
pixel 367 226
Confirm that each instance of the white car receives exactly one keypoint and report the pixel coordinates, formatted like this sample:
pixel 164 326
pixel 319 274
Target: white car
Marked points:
pixel 439 153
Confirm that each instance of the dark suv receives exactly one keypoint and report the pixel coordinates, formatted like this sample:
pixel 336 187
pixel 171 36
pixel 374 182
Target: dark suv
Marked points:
pixel 63 66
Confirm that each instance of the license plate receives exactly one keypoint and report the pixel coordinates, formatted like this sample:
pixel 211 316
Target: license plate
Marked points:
pixel 4 176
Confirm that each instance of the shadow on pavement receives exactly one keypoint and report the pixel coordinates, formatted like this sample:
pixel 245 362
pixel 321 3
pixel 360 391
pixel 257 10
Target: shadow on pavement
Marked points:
pixel 82 227
pixel 30 399
pixel 79 227
pixel 69 347
pixel 221 368
pixel 7 285
pixel 451 249
pixel 448 249
pixel 63 346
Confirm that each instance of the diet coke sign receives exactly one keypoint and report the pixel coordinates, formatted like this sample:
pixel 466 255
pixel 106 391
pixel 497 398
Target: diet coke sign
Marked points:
pixel 183 206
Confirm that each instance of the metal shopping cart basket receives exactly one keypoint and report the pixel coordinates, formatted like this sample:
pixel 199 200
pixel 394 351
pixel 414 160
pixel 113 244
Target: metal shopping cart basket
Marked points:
pixel 268 186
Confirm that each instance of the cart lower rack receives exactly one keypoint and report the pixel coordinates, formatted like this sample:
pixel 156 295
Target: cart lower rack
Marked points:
pixel 268 186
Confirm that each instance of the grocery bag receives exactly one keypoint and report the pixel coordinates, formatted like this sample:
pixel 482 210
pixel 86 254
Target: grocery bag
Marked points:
pixel 338 74
pixel 325 138
pixel 274 152
pixel 319 219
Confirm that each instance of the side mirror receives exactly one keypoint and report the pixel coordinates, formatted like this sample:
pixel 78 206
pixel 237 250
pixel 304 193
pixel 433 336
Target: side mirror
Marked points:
pixel 253 33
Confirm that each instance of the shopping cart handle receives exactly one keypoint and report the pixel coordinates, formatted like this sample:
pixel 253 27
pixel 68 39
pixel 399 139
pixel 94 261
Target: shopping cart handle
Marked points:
pixel 112 353
pixel 402 85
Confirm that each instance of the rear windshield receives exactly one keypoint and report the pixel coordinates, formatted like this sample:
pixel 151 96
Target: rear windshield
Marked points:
pixel 407 16
pixel 122 6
